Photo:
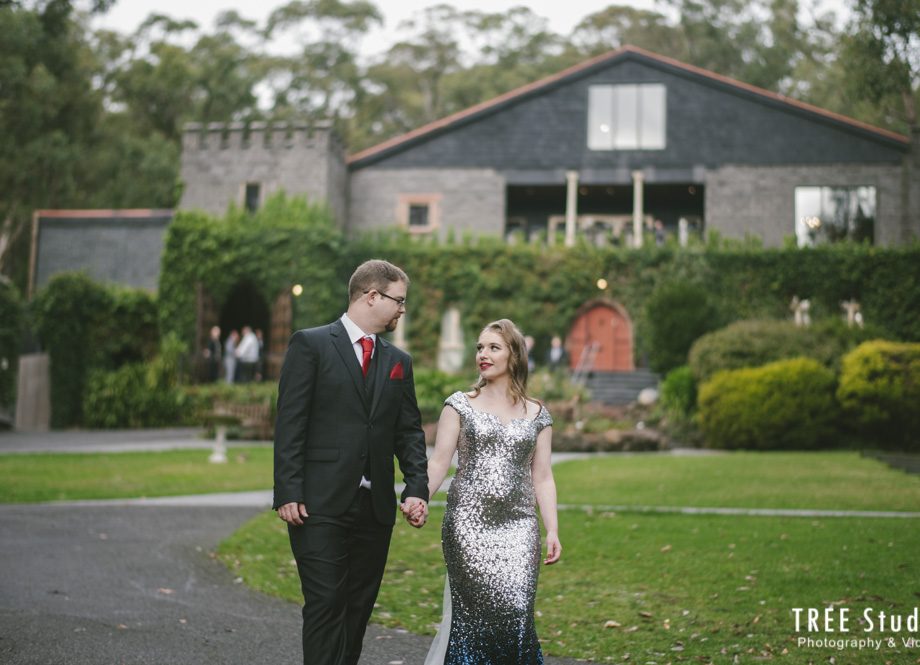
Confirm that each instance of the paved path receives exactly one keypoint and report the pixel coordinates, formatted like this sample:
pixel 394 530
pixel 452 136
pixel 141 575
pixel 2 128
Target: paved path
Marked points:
pixel 136 585
pixel 110 441
pixel 133 581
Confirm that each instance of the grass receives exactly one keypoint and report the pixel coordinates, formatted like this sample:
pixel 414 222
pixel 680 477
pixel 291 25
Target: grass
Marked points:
pixel 639 588
pixel 59 477
pixel 825 480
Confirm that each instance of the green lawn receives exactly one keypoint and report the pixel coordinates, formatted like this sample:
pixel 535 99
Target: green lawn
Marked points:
pixel 55 477
pixel 825 480
pixel 639 588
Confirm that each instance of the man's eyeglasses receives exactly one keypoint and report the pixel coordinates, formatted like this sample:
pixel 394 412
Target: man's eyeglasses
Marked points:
pixel 400 302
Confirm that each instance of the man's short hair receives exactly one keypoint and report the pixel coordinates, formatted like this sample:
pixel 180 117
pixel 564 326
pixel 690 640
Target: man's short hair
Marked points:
pixel 374 274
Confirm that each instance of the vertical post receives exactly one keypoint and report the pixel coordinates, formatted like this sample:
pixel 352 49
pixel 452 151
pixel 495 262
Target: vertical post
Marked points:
pixel 683 231
pixel 638 179
pixel 571 206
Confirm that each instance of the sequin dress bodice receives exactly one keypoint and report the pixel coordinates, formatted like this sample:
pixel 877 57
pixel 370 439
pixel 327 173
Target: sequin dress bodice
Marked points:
pixel 491 539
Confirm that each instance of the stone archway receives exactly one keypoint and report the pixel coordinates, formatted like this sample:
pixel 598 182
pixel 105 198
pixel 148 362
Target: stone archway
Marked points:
pixel 245 306
pixel 601 338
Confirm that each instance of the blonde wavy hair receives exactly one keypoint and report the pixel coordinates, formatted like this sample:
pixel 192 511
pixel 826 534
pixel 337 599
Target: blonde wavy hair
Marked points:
pixel 517 358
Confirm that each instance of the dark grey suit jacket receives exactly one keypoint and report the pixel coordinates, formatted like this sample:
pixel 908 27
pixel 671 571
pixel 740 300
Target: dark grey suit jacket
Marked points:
pixel 327 423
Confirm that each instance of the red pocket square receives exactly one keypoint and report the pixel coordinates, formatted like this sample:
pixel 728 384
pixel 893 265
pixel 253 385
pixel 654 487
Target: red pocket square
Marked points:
pixel 397 371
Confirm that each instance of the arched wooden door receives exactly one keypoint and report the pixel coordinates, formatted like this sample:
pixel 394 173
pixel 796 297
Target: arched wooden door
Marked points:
pixel 602 332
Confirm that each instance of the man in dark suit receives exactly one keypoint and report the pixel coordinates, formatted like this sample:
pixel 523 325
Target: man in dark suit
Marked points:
pixel 346 406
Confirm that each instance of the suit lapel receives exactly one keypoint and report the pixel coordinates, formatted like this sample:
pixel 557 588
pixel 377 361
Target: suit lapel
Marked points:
pixel 347 353
pixel 380 372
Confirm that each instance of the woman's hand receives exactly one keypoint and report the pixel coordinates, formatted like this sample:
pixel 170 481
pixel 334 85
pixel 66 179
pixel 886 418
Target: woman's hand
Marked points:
pixel 553 549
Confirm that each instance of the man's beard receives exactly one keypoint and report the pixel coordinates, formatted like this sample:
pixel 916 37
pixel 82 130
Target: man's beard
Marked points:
pixel 391 326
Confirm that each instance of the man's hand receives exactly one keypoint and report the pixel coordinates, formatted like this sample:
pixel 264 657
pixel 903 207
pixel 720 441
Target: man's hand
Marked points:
pixel 415 510
pixel 293 513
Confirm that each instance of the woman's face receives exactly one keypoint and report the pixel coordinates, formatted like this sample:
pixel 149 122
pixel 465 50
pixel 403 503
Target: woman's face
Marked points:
pixel 492 354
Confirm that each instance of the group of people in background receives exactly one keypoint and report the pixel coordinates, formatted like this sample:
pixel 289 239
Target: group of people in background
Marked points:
pixel 240 356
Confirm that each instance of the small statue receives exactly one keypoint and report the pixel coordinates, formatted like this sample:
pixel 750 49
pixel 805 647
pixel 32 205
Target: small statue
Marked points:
pixel 800 311
pixel 854 316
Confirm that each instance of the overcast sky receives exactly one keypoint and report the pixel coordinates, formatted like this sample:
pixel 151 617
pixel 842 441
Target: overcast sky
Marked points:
pixel 126 15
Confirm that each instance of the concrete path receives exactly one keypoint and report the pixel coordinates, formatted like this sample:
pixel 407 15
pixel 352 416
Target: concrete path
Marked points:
pixel 137 585
pixel 110 441
pixel 134 582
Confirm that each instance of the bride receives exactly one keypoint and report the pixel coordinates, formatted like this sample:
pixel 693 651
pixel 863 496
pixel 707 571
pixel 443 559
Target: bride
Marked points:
pixel 490 535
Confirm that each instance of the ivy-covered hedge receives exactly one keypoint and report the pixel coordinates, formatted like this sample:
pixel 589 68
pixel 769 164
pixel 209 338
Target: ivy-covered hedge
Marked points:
pixel 285 242
pixel 290 241
pixel 788 404
pixel 86 326
pixel 11 324
pixel 880 393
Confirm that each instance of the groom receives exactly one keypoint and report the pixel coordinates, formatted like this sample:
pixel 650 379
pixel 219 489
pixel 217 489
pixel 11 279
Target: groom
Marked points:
pixel 346 406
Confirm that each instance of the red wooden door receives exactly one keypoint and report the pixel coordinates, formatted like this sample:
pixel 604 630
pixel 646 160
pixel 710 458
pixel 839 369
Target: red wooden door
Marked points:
pixel 606 329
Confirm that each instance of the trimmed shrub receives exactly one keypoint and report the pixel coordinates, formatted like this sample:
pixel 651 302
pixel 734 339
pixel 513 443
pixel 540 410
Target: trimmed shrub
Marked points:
pixel 880 393
pixel 11 323
pixel 432 387
pixel 137 394
pixel 68 312
pixel 788 404
pixel 86 326
pixel 678 391
pixel 677 313
pixel 756 342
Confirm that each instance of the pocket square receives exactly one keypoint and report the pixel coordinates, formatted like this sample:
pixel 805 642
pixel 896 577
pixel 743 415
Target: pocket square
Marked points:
pixel 397 371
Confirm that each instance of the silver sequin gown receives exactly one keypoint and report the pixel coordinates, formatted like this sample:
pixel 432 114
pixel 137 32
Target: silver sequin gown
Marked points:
pixel 491 542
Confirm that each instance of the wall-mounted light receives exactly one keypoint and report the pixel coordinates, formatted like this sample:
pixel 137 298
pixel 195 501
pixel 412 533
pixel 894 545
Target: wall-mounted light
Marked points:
pixel 297 290
pixel 602 283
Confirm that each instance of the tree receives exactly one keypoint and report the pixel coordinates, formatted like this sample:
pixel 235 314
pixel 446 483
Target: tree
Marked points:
pixel 48 111
pixel 882 56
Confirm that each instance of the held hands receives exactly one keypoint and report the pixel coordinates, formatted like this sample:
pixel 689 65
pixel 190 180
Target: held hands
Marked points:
pixel 415 511
pixel 293 513
pixel 553 549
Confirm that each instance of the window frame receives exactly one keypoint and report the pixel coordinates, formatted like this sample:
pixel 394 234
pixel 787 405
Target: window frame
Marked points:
pixel 430 200
pixel 604 100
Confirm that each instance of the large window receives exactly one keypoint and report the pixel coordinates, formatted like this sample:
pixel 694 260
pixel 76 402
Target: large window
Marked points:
pixel 833 214
pixel 627 117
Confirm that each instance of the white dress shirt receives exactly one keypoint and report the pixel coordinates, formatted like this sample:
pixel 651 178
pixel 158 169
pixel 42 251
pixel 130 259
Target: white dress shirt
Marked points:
pixel 354 335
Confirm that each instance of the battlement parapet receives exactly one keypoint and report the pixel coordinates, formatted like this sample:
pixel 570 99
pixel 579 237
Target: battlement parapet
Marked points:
pixel 256 135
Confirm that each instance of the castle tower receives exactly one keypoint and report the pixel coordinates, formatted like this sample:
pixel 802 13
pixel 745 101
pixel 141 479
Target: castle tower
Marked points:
pixel 243 164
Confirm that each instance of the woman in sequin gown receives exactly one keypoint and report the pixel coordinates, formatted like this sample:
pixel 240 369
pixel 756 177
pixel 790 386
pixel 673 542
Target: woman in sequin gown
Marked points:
pixel 490 535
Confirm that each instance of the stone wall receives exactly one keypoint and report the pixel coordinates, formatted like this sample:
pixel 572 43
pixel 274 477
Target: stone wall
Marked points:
pixel 471 200
pixel 760 200
pixel 220 159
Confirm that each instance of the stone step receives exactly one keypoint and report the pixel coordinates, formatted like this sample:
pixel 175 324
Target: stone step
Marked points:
pixel 617 388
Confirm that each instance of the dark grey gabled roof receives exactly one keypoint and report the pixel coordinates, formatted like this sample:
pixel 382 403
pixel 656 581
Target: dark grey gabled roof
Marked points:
pixel 496 104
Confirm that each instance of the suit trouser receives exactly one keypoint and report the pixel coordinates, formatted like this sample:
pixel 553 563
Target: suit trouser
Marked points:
pixel 341 562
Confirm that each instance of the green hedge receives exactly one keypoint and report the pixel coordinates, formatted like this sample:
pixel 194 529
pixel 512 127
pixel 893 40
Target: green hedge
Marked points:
pixel 86 326
pixel 677 313
pixel 755 343
pixel 678 391
pixel 880 393
pixel 541 288
pixel 11 326
pixel 788 404
pixel 137 394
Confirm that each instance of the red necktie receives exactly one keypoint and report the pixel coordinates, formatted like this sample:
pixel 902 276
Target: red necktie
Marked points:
pixel 367 344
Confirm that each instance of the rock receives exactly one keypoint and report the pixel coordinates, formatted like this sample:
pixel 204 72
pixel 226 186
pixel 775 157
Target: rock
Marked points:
pixel 647 396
